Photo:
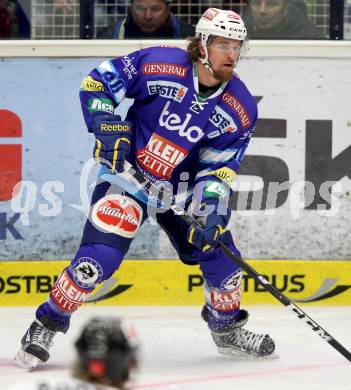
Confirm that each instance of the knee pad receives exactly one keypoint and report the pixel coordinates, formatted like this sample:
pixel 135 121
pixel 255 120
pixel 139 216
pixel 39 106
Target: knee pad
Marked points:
pixel 92 264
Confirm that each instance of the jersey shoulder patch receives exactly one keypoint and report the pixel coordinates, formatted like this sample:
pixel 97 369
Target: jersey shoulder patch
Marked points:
pixel 239 99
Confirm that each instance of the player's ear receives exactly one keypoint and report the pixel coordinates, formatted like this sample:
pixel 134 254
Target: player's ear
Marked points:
pixel 201 50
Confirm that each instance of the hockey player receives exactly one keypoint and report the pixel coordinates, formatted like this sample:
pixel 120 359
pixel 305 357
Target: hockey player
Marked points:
pixel 107 357
pixel 192 119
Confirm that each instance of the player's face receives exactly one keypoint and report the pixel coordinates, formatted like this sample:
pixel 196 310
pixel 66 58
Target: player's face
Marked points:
pixel 267 14
pixel 150 15
pixel 223 54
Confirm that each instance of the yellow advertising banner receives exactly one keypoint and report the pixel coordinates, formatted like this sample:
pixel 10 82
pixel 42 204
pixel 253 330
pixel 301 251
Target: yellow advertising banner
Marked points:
pixel 170 282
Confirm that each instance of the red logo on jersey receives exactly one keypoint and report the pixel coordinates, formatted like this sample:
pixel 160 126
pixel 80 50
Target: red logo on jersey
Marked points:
pixel 66 294
pixel 226 300
pixel 172 69
pixel 160 156
pixel 235 104
pixel 10 154
pixel 118 214
pixel 210 14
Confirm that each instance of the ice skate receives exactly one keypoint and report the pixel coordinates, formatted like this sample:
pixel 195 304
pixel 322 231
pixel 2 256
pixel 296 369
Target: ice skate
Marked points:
pixel 233 340
pixel 35 346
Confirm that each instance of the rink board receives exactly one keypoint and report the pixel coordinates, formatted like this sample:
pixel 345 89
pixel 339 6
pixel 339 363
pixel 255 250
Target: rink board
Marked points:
pixel 169 282
pixel 301 139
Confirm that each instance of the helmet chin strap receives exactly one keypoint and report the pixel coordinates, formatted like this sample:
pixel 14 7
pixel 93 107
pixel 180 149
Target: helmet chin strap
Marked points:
pixel 205 62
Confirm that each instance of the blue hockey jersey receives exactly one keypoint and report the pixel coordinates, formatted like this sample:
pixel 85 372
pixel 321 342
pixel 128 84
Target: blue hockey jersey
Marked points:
pixel 174 128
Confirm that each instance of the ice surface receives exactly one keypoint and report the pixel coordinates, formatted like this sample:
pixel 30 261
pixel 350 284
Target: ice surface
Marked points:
pixel 178 352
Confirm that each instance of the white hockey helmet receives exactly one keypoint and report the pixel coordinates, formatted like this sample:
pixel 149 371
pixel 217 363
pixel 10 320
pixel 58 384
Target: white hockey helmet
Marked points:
pixel 222 23
pixel 227 24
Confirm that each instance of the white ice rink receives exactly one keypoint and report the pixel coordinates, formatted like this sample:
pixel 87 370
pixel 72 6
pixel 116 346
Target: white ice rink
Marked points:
pixel 178 353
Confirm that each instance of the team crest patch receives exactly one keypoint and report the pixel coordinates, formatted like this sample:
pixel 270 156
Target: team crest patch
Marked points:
pixel 232 281
pixel 233 16
pixel 87 272
pixel 118 214
pixel 210 14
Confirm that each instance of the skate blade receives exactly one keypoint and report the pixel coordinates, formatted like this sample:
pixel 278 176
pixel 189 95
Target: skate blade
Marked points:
pixel 26 360
pixel 241 355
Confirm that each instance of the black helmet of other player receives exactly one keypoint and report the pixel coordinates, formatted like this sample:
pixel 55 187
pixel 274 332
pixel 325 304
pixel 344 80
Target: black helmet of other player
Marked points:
pixel 107 352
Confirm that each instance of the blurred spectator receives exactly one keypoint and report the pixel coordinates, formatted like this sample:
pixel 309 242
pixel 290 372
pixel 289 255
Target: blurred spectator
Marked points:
pixel 14 19
pixel 279 19
pixel 104 10
pixel 148 19
pixel 64 6
pixel 23 11
pixel 8 20
pixel 57 19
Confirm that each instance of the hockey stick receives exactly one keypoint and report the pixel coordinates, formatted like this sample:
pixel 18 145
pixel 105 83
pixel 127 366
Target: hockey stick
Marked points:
pixel 151 190
pixel 287 302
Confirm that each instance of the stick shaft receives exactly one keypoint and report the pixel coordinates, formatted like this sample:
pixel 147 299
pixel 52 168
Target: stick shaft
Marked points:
pixel 301 315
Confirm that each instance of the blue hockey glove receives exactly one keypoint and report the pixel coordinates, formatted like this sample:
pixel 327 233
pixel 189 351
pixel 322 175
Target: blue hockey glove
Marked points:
pixel 213 227
pixel 112 141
